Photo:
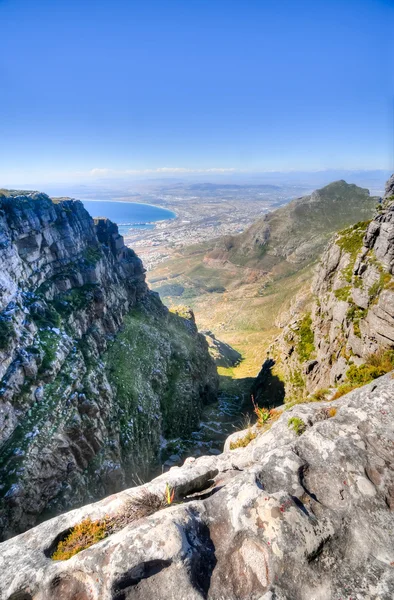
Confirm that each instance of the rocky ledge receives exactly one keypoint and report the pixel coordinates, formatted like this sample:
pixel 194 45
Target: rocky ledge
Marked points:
pixel 304 511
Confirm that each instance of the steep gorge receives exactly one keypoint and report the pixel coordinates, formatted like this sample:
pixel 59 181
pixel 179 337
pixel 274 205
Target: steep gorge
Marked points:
pixel 298 506
pixel 237 285
pixel 94 369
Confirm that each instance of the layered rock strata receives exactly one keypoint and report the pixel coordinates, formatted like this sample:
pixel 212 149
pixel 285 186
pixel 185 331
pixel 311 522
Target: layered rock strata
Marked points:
pixel 78 421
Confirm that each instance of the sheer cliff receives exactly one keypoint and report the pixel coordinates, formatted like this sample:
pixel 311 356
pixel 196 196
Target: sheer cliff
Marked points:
pixel 94 369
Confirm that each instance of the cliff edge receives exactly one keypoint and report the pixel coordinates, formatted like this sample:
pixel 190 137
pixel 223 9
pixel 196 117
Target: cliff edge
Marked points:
pixel 304 510
pixel 94 369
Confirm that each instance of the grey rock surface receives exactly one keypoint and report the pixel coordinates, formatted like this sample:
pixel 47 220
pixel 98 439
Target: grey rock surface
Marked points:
pixel 290 517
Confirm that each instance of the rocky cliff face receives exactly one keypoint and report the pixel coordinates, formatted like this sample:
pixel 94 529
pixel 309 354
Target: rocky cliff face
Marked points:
pixel 348 332
pixel 82 406
pixel 304 511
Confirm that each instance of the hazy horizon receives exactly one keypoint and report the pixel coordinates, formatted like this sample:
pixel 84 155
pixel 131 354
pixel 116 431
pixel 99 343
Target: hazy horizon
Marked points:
pixel 135 90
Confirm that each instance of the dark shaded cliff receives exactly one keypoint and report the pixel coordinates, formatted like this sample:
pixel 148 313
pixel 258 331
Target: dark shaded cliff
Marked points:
pixel 77 419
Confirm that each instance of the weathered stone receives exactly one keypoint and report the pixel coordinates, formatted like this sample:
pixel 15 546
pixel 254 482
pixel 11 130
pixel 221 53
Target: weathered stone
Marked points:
pixel 287 517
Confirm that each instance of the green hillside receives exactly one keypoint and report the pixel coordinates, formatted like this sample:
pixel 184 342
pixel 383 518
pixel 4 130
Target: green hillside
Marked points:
pixel 238 285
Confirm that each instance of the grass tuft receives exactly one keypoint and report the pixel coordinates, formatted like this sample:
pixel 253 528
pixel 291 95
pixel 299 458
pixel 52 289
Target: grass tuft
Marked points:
pixel 88 532
pixel 297 425
pixel 305 346
pixel 243 441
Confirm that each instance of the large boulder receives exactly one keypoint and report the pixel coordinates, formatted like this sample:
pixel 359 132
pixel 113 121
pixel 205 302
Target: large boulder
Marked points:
pixel 304 511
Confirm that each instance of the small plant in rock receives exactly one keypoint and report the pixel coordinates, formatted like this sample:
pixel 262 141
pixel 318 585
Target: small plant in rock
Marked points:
pixel 170 494
pixel 332 412
pixel 320 394
pixel 264 414
pixel 6 333
pixel 305 346
pixel 82 536
pixel 243 441
pixel 297 425
pixel 89 532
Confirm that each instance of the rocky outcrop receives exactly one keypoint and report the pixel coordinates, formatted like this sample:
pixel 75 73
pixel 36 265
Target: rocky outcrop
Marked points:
pixel 78 420
pixel 222 354
pixel 351 320
pixel 299 513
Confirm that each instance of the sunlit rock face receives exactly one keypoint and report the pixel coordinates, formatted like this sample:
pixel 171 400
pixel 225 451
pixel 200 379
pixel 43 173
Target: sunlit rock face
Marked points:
pixel 351 309
pixel 293 515
pixel 78 420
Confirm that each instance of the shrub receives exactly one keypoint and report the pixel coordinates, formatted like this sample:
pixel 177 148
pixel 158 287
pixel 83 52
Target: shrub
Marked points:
pixel 342 293
pixel 49 318
pixel 264 414
pixel 297 425
pixel 319 395
pixel 296 379
pixel 82 536
pixel 92 255
pixel 305 346
pixel 355 314
pixel 332 412
pixel 363 374
pixel 377 364
pixel 89 532
pixel 243 441
pixel 351 239
pixel 343 389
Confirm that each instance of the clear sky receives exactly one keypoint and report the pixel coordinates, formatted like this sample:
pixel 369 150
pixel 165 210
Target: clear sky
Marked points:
pixel 93 88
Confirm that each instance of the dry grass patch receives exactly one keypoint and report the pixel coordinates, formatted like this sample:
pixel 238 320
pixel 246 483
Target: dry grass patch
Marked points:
pixel 243 441
pixel 87 533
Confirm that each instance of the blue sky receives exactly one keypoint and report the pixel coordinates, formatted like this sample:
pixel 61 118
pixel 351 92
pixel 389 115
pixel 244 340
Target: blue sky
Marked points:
pixel 99 88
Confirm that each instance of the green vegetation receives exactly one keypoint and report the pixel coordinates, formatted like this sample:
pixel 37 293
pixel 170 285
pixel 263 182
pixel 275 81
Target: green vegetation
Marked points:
pixel 182 311
pixel 356 314
pixel 297 425
pixel 376 365
pixel 305 346
pixel 92 255
pixel 384 282
pixel 320 395
pixel 77 298
pixel 49 318
pixel 6 333
pixel 88 532
pixel 170 289
pixel 243 441
pixel 49 341
pixel 296 379
pixel 351 239
pixel 154 364
pixel 343 293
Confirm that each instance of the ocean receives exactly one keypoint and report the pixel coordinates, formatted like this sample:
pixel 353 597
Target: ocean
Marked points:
pixel 128 215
